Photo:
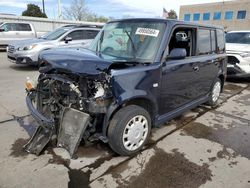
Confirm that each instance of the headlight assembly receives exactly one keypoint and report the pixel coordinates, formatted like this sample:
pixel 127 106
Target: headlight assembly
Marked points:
pixel 25 48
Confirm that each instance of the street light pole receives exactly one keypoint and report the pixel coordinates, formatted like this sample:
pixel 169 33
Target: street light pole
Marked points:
pixel 43 7
pixel 59 10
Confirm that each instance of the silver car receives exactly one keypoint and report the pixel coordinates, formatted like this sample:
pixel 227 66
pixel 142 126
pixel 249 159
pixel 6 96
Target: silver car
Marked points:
pixel 27 51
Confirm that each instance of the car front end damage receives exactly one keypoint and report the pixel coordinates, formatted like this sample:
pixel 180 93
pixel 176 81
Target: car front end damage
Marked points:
pixel 68 107
pixel 238 64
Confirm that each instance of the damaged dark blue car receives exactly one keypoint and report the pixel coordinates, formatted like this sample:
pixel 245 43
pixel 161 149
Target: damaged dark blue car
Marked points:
pixel 137 74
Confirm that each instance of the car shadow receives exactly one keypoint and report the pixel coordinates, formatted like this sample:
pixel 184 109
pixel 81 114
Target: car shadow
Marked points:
pixel 239 80
pixel 24 67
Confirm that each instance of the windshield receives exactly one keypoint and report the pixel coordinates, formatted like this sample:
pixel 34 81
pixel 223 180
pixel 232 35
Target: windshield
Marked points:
pixel 129 41
pixel 239 37
pixel 53 35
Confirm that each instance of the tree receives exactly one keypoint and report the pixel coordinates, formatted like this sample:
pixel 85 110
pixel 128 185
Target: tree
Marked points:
pixel 172 14
pixel 78 11
pixel 34 11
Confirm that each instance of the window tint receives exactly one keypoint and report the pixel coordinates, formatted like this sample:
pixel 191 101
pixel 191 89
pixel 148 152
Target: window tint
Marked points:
pixel 24 27
pixel 220 40
pixel 204 42
pixel 90 34
pixel 229 15
pixel 196 17
pixel 239 37
pixel 77 35
pixel 241 14
pixel 217 15
pixel 206 16
pixel 213 41
pixel 187 17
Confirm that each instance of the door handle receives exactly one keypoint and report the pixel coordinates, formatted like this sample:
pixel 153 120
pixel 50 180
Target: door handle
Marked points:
pixel 196 68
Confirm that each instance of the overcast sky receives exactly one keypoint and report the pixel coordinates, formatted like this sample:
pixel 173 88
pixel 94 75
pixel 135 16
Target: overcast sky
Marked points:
pixel 108 8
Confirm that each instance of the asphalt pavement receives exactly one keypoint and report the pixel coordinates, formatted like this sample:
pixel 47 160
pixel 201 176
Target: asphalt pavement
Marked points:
pixel 205 147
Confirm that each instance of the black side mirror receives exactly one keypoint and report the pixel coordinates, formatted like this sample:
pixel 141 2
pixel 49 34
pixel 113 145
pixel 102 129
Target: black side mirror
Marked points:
pixel 177 53
pixel 67 39
pixel 2 29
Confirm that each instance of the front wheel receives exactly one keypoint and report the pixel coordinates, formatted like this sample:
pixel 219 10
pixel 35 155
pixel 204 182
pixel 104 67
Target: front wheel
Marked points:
pixel 215 93
pixel 129 130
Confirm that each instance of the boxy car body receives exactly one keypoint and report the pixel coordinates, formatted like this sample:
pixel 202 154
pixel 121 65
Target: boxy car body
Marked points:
pixel 137 74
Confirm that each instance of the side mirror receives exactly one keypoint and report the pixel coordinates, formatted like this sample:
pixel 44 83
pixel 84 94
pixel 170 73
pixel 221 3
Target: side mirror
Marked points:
pixel 2 29
pixel 67 39
pixel 177 53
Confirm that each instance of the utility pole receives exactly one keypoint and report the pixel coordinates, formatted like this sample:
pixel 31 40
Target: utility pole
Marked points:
pixel 43 7
pixel 59 10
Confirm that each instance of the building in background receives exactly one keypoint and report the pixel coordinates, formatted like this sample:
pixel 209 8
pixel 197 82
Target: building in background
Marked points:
pixel 232 15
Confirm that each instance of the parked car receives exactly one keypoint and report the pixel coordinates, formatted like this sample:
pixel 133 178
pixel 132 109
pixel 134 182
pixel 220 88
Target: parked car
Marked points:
pixel 27 51
pixel 238 50
pixel 10 31
pixel 117 92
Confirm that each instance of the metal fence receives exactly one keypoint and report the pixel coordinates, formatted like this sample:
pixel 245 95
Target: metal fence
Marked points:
pixel 43 24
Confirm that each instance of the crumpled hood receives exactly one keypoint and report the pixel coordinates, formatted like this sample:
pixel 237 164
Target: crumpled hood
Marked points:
pixel 78 61
pixel 27 42
pixel 234 47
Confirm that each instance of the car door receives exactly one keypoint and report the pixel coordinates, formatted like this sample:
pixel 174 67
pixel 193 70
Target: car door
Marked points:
pixel 208 60
pixel 9 34
pixel 24 31
pixel 76 37
pixel 180 75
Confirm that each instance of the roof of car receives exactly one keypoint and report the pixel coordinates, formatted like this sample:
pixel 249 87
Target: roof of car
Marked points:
pixel 83 26
pixel 175 22
pixel 242 31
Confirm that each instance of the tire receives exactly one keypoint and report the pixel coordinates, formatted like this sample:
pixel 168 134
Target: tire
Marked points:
pixel 215 93
pixel 122 132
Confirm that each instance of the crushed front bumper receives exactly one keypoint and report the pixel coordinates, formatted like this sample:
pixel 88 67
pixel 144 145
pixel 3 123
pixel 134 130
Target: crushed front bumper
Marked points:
pixel 73 124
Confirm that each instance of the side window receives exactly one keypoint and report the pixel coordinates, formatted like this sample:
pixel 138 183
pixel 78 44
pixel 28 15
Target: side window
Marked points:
pixel 213 40
pixel 76 35
pixel 90 34
pixel 23 27
pixel 220 40
pixel 9 27
pixel 204 41
pixel 183 38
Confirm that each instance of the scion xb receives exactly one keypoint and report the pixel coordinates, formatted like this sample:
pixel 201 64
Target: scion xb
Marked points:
pixel 136 75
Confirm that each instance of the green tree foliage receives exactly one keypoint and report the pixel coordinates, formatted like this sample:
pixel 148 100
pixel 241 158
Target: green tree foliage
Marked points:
pixel 172 14
pixel 34 11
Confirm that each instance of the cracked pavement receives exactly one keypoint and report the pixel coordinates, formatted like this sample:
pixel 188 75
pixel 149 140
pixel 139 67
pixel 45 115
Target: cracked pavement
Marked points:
pixel 205 147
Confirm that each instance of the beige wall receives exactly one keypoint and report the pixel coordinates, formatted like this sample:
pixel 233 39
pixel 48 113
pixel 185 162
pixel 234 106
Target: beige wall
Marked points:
pixel 234 24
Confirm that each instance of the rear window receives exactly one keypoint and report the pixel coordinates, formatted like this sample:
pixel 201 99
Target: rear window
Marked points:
pixel 23 27
pixel 239 37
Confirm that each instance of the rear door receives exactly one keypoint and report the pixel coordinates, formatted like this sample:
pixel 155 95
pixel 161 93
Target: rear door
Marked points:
pixel 24 31
pixel 208 60
pixel 9 34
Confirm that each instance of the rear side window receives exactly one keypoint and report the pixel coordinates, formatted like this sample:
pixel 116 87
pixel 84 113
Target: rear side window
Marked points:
pixel 220 40
pixel 90 34
pixel 204 41
pixel 213 40
pixel 23 27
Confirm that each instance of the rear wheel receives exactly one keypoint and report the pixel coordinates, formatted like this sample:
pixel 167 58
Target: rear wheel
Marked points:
pixel 215 93
pixel 129 130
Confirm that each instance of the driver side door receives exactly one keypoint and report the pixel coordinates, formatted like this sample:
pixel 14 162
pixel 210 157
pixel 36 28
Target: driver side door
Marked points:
pixel 179 75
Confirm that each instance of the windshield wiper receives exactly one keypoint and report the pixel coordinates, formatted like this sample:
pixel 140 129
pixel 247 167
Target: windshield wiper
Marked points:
pixel 133 44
